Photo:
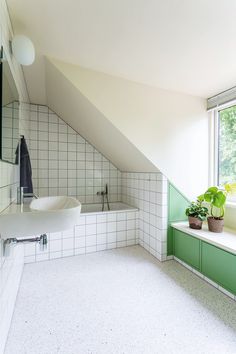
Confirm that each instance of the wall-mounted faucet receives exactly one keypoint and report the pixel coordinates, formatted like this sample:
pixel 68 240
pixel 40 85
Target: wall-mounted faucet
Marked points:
pixel 104 195
pixel 21 195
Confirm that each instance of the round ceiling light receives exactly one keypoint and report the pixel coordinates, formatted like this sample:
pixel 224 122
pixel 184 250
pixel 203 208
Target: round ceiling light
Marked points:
pixel 23 50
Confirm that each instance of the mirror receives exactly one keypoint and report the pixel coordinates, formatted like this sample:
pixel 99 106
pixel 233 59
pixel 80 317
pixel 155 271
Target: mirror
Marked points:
pixel 9 122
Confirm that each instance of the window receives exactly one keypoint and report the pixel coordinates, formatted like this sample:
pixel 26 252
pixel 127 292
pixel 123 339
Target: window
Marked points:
pixel 226 145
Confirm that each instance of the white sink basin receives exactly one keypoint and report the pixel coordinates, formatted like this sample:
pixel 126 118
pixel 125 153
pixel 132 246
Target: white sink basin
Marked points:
pixel 43 215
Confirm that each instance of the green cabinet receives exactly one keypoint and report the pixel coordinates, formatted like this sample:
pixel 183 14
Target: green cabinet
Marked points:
pixel 220 266
pixel 214 262
pixel 187 248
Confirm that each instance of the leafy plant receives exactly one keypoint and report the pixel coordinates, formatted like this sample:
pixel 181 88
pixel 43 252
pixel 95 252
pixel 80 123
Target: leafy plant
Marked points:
pixel 196 210
pixel 216 198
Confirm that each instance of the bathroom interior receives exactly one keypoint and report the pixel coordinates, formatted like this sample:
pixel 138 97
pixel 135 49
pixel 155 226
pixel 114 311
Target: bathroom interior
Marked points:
pixel 117 177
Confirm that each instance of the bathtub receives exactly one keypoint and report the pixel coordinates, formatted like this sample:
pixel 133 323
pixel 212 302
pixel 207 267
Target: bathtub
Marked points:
pixel 96 230
pixel 114 207
pixel 99 230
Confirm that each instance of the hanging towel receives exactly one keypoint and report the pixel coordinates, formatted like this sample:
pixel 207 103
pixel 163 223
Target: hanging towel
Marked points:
pixel 25 166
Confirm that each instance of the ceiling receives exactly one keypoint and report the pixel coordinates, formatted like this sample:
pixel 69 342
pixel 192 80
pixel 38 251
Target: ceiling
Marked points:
pixel 187 46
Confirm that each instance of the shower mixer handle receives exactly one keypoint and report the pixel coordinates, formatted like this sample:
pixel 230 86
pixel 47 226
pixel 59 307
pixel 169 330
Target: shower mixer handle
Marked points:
pixel 104 194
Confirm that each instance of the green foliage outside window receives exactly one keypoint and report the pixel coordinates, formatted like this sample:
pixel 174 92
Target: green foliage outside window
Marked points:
pixel 227 145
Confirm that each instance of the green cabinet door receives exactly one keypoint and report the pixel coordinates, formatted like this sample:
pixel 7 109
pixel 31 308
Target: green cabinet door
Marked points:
pixel 220 266
pixel 187 248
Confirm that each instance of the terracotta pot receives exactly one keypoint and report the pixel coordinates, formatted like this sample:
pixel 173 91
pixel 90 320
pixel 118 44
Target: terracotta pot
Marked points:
pixel 194 223
pixel 215 225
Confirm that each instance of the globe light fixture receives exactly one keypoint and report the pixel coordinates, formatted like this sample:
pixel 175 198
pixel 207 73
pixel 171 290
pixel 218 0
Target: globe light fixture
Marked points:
pixel 23 50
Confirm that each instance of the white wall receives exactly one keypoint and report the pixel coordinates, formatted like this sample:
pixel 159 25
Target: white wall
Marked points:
pixel 170 129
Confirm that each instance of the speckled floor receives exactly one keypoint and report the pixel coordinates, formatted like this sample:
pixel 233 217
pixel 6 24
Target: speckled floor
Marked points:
pixel 123 302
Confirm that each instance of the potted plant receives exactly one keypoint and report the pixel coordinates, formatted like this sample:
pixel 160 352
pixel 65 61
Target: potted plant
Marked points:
pixel 196 214
pixel 216 199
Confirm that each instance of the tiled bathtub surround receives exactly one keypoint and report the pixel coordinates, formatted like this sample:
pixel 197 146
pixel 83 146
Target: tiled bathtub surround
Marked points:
pixel 64 163
pixel 148 192
pixel 96 231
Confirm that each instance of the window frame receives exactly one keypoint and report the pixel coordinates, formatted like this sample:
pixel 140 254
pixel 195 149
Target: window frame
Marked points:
pixel 214 147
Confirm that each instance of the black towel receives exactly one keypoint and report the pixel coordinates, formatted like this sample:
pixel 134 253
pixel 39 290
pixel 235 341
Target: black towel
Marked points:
pixel 25 166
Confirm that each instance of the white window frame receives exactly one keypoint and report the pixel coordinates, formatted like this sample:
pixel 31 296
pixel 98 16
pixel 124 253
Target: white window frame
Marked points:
pixel 213 147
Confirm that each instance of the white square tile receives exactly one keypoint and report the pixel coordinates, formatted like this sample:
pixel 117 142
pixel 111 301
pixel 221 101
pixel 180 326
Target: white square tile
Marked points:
pixel 101 239
pixel 130 224
pixel 111 226
pixel 55 246
pixel 121 236
pixel 68 233
pixel 80 230
pixel 121 225
pixel 131 234
pixel 91 229
pixel 111 237
pixel 80 242
pixel 91 219
pixel 101 228
pixel 67 244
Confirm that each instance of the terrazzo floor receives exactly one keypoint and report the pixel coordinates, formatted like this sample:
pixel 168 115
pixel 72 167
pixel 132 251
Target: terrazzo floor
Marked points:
pixel 121 301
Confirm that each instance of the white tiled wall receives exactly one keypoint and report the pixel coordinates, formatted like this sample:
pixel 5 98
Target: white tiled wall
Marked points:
pixel 94 232
pixel 10 131
pixel 63 162
pixel 148 192
pixel 9 173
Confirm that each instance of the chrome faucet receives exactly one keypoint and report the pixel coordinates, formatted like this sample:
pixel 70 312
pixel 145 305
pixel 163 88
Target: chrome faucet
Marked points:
pixel 21 195
pixel 104 195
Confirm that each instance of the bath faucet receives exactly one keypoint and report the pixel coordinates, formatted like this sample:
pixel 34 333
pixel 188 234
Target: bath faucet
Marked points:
pixel 104 195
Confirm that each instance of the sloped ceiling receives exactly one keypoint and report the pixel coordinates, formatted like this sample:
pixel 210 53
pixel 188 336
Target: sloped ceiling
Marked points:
pixel 169 129
pixel 186 46
pixel 72 106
